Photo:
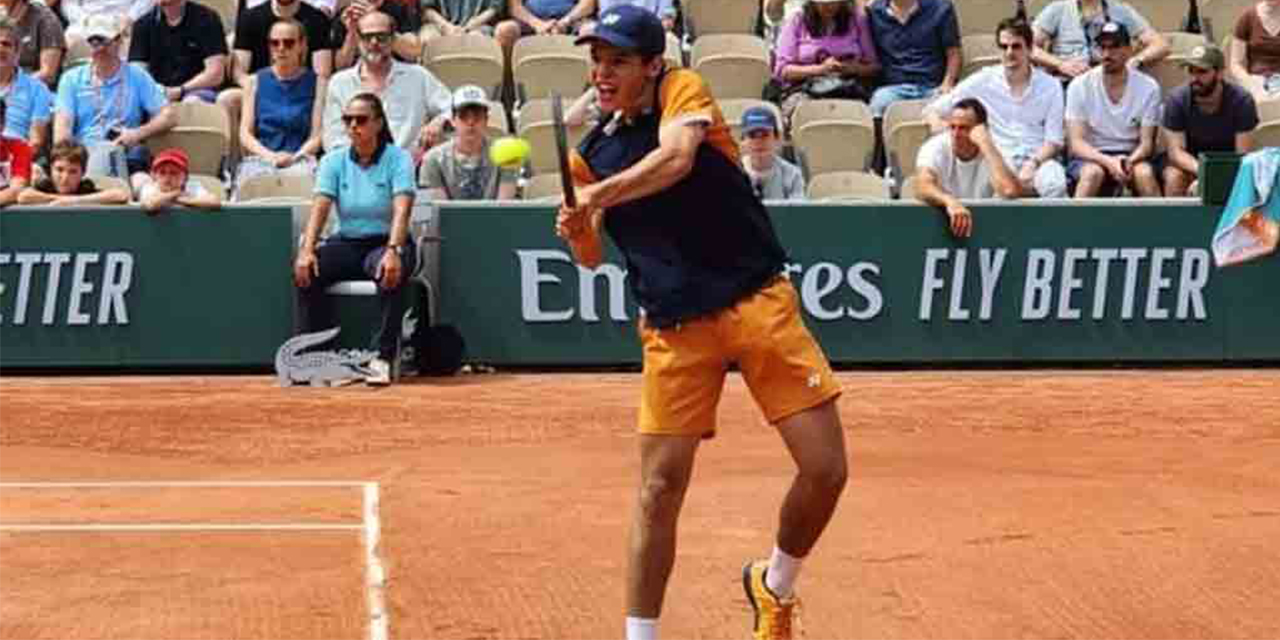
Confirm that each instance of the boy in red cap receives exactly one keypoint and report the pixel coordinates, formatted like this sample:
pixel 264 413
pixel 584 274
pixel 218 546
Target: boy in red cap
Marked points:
pixel 169 185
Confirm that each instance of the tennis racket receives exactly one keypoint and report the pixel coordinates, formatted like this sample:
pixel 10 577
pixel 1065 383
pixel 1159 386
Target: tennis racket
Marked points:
pixel 562 150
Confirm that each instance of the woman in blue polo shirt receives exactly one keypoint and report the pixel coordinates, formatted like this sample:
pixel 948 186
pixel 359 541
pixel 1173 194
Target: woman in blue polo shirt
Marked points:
pixel 371 184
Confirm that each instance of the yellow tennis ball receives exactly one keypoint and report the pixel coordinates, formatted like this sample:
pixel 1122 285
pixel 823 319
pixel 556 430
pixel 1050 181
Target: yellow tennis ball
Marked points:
pixel 509 152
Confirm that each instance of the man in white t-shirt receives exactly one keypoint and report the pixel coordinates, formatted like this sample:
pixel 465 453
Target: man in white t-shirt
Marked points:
pixel 963 163
pixel 1112 115
pixel 1025 109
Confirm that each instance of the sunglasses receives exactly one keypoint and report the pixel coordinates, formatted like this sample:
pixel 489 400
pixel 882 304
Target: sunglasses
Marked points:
pixel 282 43
pixel 380 37
pixel 98 41
pixel 358 119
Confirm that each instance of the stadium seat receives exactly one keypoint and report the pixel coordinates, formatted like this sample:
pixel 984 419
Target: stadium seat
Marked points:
pixel 275 187
pixel 1266 135
pixel 982 16
pixel 734 65
pixel 472 58
pixel 533 123
pixel 1181 43
pixel 709 17
pixel 498 122
pixel 847 185
pixel 226 9
pixel 1168 73
pixel 908 191
pixel 543 186
pixel 833 135
pixel 978 50
pixel 1164 15
pixel 733 108
pixel 547 64
pixel 903 143
pixel 1218 17
pixel 1268 111
pixel 904 111
pixel 212 184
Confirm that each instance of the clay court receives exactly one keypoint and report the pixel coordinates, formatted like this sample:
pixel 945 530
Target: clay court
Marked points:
pixel 1023 504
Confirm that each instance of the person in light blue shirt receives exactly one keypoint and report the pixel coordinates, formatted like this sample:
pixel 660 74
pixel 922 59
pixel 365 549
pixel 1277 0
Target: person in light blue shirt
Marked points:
pixel 110 107
pixel 29 100
pixel 372 185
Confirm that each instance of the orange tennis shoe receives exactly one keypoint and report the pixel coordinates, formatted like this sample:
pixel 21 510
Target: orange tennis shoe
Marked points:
pixel 776 619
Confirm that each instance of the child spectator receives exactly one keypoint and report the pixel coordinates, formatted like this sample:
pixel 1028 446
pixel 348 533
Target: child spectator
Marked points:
pixel 772 177
pixel 67 185
pixel 169 185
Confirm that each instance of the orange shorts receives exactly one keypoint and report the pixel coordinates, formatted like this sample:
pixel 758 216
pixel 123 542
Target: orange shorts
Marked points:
pixel 685 365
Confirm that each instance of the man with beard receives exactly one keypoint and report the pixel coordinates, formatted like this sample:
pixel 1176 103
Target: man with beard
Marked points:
pixel 1112 114
pixel 417 102
pixel 1207 114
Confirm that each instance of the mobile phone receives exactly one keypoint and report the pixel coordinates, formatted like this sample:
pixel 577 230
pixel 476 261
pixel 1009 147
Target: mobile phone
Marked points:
pixel 113 133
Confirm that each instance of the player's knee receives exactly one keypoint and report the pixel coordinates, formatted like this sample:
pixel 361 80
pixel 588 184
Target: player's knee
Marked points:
pixel 830 476
pixel 660 498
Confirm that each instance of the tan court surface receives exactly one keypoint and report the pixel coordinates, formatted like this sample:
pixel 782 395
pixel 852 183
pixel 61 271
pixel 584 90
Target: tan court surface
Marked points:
pixel 1026 504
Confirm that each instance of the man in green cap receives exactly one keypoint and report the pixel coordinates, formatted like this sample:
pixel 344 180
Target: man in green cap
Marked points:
pixel 1206 114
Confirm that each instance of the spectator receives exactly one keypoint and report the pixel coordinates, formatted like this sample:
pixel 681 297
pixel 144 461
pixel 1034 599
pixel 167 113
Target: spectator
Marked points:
pixel 404 44
pixel 283 105
pixel 460 169
pixel 829 43
pixel 79 12
pixel 963 163
pixel 420 102
pixel 541 17
pixel 67 185
pixel 40 37
pixel 183 46
pixel 371 184
pixel 778 12
pixel 251 52
pixel 15 165
pixel 1207 114
pixel 169 185
pixel 772 177
pixel 664 9
pixel 327 7
pixel 29 101
pixel 1024 106
pixel 1066 36
pixel 110 107
pixel 1112 114
pixel 1255 60
pixel 455 17
pixel 918 44
pixel 585 111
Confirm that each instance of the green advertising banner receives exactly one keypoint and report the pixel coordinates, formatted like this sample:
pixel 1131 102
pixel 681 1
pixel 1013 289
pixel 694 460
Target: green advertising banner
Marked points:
pixel 117 288
pixel 1122 281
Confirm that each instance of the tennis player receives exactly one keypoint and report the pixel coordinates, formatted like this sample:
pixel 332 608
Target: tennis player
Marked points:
pixel 661 174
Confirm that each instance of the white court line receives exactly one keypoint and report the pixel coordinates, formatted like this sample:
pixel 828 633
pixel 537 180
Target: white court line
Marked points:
pixel 375 575
pixel 370 527
pixel 182 526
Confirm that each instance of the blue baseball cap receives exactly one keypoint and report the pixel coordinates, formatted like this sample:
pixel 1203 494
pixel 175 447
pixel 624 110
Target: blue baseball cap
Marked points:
pixel 758 119
pixel 627 26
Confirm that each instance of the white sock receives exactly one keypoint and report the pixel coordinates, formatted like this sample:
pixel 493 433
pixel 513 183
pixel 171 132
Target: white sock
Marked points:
pixel 783 569
pixel 642 628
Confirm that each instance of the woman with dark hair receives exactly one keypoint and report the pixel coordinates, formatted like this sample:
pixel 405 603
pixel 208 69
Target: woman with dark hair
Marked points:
pixel 829 42
pixel 372 184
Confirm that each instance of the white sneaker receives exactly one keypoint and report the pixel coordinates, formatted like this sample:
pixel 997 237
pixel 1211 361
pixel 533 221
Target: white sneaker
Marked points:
pixel 379 373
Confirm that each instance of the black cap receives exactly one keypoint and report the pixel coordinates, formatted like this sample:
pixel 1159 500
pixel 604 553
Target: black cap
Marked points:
pixel 1115 33
pixel 629 27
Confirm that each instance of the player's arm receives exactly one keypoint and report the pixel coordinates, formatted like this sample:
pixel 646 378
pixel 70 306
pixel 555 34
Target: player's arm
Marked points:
pixel 663 167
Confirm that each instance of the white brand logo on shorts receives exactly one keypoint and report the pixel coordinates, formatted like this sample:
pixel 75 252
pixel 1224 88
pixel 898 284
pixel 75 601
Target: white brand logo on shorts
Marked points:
pixel 815 380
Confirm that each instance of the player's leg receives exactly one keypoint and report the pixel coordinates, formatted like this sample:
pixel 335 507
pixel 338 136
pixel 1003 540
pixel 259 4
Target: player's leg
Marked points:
pixel 666 463
pixel 791 380
pixel 684 370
